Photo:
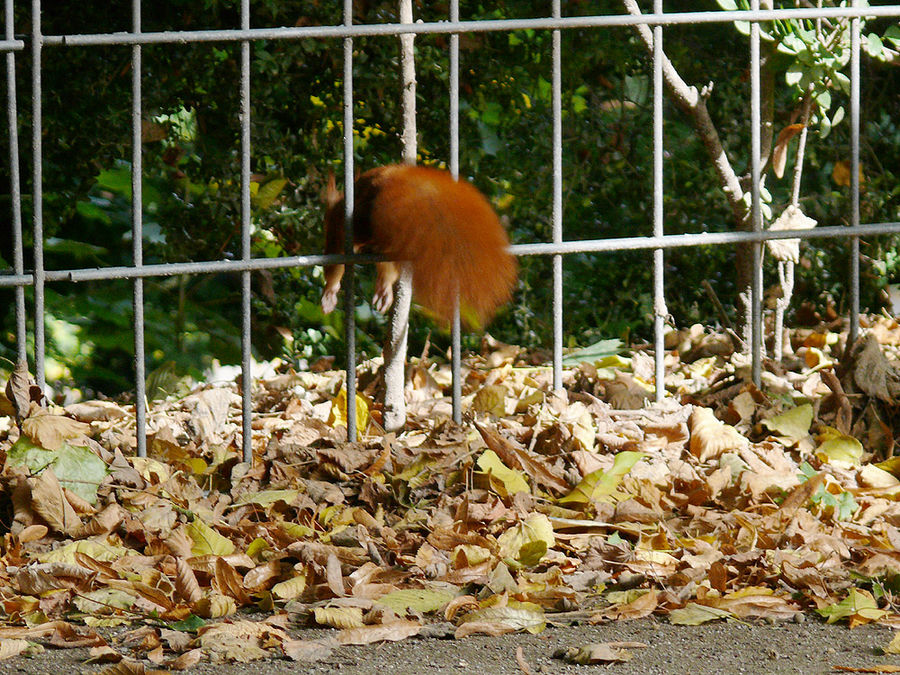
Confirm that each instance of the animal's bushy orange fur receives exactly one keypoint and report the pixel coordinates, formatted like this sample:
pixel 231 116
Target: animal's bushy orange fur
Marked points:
pixel 444 228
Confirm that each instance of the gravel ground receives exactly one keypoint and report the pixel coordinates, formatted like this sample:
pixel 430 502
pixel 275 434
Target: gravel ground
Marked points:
pixel 719 648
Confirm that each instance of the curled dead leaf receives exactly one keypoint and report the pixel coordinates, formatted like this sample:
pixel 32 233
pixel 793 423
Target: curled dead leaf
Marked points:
pixel 710 437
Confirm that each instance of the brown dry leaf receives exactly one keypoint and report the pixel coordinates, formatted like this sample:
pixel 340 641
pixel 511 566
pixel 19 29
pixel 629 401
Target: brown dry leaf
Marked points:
pixel 333 576
pixel 308 650
pixel 103 654
pixel 40 578
pixel 186 582
pixel 601 652
pixel 49 501
pixel 779 152
pixel 387 632
pixel 33 533
pixel 460 603
pixel 21 390
pixel 642 606
pixel 799 496
pixel 756 602
pixel 186 661
pixel 490 628
pixel 127 667
pixel 881 668
pixel 228 582
pixel 241 641
pixel 51 431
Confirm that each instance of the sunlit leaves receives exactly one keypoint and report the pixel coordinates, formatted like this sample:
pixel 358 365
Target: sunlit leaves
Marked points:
pixel 603 485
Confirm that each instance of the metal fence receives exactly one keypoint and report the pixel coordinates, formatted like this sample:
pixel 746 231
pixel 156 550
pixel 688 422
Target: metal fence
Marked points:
pixel 36 42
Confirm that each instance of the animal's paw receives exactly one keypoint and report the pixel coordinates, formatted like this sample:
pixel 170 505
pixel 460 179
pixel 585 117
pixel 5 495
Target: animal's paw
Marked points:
pixel 383 298
pixel 329 300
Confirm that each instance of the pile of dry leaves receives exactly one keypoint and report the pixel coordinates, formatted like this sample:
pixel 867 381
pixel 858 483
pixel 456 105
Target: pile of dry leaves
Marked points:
pixel 592 504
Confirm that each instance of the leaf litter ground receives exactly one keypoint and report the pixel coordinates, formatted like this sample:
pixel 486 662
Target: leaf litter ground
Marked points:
pixel 724 503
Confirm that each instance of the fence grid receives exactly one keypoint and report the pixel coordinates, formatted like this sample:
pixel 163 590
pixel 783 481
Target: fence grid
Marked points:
pixel 19 278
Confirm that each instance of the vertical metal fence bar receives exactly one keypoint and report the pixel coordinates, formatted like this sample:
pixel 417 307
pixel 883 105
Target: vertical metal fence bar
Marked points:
pixel 854 176
pixel 15 186
pixel 137 237
pixel 37 43
pixel 756 207
pixel 455 342
pixel 557 202
pixel 246 325
pixel 349 268
pixel 659 298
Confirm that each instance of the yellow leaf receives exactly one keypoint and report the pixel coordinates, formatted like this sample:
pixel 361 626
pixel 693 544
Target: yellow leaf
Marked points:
pixel 339 617
pixel 504 480
pixel 151 470
pixel 422 600
pixel 290 589
pixel 892 466
pixel 791 425
pixel 296 530
pixel 95 549
pixel 584 432
pixel 256 547
pixel 893 646
pixel 510 615
pixel 267 193
pixel 207 541
pixel 836 447
pixel 602 485
pixel 215 606
pixel 528 540
pixel 472 555
pixel 693 614
pixel 338 415
pixel 841 173
pixel 491 399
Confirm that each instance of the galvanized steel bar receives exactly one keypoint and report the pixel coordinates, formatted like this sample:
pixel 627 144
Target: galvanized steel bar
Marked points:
pixel 15 187
pixel 447 27
pixel 557 224
pixel 455 328
pixel 565 248
pixel 11 45
pixel 349 271
pixel 137 237
pixel 756 205
pixel 246 320
pixel 854 176
pixel 659 294
pixel 37 191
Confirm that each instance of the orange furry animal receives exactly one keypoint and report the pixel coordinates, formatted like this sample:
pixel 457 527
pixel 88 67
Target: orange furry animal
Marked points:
pixel 444 228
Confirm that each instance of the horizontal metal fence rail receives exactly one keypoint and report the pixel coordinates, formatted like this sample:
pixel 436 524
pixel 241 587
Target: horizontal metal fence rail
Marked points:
pixel 347 32
pixel 445 27
pixel 565 248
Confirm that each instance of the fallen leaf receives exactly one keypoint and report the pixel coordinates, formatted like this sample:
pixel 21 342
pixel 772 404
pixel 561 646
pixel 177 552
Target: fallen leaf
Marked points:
pixel 693 614
pixel 387 632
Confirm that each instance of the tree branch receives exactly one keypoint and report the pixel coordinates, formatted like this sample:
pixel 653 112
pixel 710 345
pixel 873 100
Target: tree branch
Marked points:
pixel 689 100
